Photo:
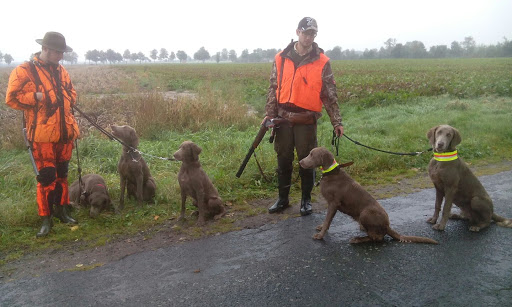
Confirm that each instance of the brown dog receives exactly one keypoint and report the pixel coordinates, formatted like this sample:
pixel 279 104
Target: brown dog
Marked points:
pixel 344 194
pixel 133 170
pixel 455 182
pixel 91 193
pixel 194 182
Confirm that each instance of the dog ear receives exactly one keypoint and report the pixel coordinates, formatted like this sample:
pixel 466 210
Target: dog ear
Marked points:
pixel 196 149
pixel 133 136
pixel 431 135
pixel 326 158
pixel 456 139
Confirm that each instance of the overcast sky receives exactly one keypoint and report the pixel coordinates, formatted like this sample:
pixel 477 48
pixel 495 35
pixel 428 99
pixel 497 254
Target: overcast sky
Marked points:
pixel 217 24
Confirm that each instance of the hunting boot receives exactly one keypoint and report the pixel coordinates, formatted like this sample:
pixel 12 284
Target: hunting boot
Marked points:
pixel 307 178
pixel 62 213
pixel 46 227
pixel 284 183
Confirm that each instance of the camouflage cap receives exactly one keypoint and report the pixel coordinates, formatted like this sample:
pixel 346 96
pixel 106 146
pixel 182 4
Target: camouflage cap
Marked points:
pixel 307 23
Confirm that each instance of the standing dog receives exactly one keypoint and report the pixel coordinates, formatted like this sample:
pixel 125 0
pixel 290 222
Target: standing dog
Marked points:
pixel 133 170
pixel 344 194
pixel 194 182
pixel 92 192
pixel 455 182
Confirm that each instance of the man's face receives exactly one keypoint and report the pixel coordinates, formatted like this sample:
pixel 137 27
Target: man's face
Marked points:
pixel 52 56
pixel 306 38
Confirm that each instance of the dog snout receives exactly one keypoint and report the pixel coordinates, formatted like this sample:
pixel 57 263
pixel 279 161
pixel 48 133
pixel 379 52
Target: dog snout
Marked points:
pixel 304 163
pixel 440 146
pixel 177 155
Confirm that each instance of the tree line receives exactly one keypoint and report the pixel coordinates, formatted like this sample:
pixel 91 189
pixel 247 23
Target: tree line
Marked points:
pixel 391 49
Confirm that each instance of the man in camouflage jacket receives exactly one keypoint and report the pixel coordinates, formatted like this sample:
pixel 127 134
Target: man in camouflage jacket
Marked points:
pixel 301 82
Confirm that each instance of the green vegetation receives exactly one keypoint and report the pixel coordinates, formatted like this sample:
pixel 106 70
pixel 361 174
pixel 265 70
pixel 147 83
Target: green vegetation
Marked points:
pixel 387 104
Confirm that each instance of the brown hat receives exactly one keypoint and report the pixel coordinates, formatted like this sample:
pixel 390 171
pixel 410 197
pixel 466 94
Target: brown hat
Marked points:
pixel 55 41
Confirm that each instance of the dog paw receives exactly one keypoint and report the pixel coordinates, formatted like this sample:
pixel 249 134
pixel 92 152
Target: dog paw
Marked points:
pixel 319 227
pixel 438 227
pixel 455 216
pixel 474 228
pixel 318 236
pixel 432 220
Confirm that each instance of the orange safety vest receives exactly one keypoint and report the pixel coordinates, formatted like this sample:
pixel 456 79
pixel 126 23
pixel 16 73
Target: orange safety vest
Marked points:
pixel 49 120
pixel 300 86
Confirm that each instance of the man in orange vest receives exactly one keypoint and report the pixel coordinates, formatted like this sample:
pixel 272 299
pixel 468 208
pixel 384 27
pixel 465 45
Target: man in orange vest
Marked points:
pixel 43 90
pixel 301 82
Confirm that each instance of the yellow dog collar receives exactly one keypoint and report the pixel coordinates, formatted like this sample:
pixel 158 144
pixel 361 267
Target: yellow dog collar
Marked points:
pixel 333 166
pixel 446 156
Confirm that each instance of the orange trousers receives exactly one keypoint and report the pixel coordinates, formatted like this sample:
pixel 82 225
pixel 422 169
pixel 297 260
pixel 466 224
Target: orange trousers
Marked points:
pixel 52 161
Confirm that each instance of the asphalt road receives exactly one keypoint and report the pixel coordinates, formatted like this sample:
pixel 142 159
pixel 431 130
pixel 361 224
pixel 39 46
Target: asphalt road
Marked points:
pixel 281 265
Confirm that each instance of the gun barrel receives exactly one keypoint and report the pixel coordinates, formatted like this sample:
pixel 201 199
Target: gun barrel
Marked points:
pixel 244 162
pixel 257 140
pixel 29 148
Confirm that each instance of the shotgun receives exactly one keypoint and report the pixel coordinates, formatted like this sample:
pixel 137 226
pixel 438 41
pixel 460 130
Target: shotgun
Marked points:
pixel 255 143
pixel 29 148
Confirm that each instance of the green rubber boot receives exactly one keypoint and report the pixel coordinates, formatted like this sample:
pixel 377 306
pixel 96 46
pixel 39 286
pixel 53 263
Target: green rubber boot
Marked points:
pixel 62 213
pixel 46 227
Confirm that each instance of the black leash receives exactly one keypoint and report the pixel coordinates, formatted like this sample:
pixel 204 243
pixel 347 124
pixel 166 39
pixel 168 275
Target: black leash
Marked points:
pixel 114 138
pixel 336 142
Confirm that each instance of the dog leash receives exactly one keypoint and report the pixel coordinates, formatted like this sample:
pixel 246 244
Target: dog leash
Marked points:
pixel 336 142
pixel 114 138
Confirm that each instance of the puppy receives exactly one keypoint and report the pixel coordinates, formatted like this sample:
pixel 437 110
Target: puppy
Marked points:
pixel 91 193
pixel 133 170
pixel 455 182
pixel 194 182
pixel 346 195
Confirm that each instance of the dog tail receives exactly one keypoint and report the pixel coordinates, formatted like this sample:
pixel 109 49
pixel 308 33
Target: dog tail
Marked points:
pixel 501 221
pixel 410 239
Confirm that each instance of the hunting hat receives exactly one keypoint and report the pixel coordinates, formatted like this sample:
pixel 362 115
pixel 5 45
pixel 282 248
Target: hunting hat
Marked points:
pixel 55 41
pixel 307 23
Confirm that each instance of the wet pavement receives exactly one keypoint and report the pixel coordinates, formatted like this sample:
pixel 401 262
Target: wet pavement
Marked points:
pixel 281 265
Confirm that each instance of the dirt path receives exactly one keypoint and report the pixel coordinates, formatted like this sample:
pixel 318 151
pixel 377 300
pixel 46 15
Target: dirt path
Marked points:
pixel 74 256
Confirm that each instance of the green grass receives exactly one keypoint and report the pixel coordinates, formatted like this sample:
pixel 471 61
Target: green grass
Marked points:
pixel 385 104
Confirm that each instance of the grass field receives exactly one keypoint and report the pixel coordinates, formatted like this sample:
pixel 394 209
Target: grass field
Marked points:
pixel 387 104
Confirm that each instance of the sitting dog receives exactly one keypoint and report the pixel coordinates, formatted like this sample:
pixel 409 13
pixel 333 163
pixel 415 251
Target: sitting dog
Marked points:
pixel 344 194
pixel 194 182
pixel 148 190
pixel 455 182
pixel 133 170
pixel 91 193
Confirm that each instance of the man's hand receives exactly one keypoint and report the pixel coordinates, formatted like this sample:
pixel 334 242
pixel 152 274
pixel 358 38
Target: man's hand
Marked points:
pixel 339 130
pixel 265 120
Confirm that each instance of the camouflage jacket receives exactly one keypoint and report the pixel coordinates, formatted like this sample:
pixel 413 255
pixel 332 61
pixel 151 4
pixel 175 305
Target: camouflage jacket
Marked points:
pixel 328 94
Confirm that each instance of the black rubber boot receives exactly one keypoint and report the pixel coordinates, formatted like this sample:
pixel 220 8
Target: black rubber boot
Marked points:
pixel 62 213
pixel 307 182
pixel 45 227
pixel 284 182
